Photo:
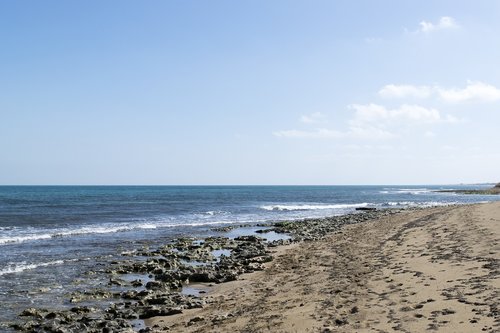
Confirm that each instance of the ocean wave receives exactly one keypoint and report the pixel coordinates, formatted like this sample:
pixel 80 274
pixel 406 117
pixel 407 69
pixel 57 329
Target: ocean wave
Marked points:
pixel 21 238
pixel 413 191
pixel 211 213
pixel 103 230
pixel 216 212
pixel 311 207
pixel 48 234
pixel 87 230
pixel 417 204
pixel 23 266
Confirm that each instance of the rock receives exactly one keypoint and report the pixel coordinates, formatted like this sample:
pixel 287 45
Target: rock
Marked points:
pixel 195 320
pixel 253 239
pixel 153 311
pixel 51 315
pixel 155 285
pixel 81 309
pixel 32 312
pixel 341 321
pixel 116 282
pixel 202 277
pixel 136 283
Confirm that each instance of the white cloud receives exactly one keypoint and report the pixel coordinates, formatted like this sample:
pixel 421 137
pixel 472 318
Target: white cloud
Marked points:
pixel 320 133
pixel 371 122
pixel 355 132
pixel 373 113
pixel 444 22
pixel 376 122
pixel 417 113
pixel 402 91
pixel 369 112
pixel 313 118
pixel 474 91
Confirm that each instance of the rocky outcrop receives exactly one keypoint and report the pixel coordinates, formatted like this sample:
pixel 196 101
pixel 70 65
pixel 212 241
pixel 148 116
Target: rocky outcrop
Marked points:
pixel 494 190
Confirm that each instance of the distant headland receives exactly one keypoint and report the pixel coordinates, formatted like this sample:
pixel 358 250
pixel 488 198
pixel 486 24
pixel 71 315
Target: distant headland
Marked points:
pixel 494 190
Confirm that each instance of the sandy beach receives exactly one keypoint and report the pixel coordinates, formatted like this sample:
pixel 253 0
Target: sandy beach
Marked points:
pixel 434 269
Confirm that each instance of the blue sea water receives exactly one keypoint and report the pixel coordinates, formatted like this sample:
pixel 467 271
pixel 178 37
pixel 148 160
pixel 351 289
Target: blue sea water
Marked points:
pixel 51 235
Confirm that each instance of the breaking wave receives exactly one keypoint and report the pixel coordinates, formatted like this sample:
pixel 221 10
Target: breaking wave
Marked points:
pixel 413 191
pixel 23 266
pixel 49 234
pixel 311 207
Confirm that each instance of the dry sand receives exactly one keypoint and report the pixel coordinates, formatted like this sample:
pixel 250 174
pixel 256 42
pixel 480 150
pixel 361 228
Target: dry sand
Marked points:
pixel 435 269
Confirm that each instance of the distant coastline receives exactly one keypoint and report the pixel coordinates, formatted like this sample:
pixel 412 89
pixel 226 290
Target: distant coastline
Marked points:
pixel 494 190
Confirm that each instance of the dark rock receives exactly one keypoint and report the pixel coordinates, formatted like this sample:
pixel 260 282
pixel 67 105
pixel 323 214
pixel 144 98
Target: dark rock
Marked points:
pixel 153 311
pixel 195 320
pixel 341 321
pixel 253 239
pixel 202 277
pixel 32 312
pixel 155 285
pixel 51 315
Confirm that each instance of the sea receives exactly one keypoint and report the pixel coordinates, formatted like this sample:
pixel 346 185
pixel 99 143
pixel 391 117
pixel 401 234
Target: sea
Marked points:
pixel 50 236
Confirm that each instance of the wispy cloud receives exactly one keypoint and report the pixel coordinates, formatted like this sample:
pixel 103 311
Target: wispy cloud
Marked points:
pixel 444 22
pixel 354 132
pixel 405 90
pixel 377 122
pixel 378 114
pixel 473 91
pixel 373 122
pixel 313 118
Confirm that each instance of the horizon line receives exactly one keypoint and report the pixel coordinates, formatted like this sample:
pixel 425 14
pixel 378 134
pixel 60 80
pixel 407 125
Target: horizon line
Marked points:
pixel 256 185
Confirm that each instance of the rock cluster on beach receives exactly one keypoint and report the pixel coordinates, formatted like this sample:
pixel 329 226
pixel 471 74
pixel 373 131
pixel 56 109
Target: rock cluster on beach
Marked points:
pixel 161 274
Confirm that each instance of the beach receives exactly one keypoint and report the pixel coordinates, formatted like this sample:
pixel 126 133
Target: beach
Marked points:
pixel 433 269
pixel 373 269
pixel 60 243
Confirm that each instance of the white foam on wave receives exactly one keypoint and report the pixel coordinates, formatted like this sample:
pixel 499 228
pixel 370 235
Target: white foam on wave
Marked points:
pixel 437 203
pixel 413 191
pixel 103 230
pixel 418 204
pixel 215 212
pixel 311 207
pixel 48 234
pixel 22 266
pixel 20 238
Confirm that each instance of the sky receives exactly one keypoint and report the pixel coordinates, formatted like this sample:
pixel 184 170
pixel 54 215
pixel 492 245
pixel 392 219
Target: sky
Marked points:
pixel 249 92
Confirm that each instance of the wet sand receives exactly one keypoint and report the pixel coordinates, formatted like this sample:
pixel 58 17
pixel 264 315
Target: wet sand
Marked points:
pixel 433 270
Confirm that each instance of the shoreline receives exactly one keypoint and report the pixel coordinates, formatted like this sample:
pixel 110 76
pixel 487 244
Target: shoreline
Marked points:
pixel 150 282
pixel 430 269
pixel 218 282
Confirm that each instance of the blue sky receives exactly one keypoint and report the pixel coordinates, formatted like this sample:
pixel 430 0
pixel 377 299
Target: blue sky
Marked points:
pixel 249 92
